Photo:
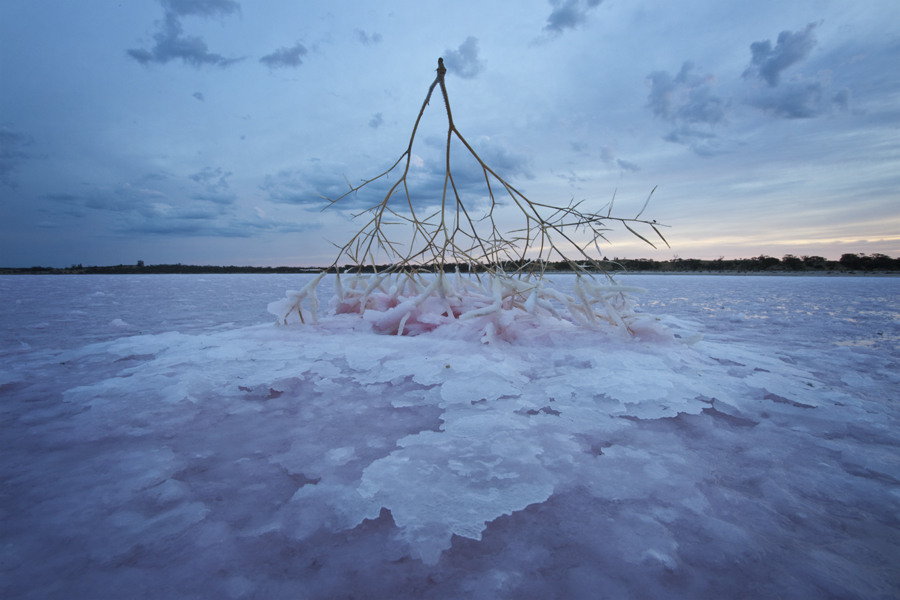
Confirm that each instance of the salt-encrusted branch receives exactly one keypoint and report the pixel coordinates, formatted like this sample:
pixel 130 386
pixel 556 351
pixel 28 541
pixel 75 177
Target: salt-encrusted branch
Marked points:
pixel 503 285
pixel 293 302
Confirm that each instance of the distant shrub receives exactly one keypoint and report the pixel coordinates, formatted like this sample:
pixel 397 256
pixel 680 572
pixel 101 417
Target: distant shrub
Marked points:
pixel 883 262
pixel 873 262
pixel 792 262
pixel 766 262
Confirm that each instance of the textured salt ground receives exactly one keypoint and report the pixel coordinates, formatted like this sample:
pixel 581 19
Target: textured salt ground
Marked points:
pixel 240 460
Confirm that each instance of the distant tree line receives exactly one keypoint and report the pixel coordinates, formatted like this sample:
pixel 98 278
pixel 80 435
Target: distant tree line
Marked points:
pixel 758 264
pixel 142 269
pixel 763 263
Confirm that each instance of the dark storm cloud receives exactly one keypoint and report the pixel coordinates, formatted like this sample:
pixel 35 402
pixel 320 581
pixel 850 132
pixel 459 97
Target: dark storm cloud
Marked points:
pixel 464 61
pixel 232 228
pixel 317 183
pixel 151 203
pixel 568 14
pixel 68 204
pixel 142 211
pixel 686 98
pixel 120 199
pixel 367 39
pixel 199 223
pixel 172 44
pixel 688 103
pixel 213 179
pixel 285 57
pixel 308 185
pixel 767 63
pixel 183 228
pixel 12 152
pixel 804 98
pixel 702 106
pixel 215 186
pixel 793 101
pixel 288 187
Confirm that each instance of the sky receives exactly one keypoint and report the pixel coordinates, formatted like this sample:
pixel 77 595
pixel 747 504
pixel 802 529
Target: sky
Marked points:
pixel 207 131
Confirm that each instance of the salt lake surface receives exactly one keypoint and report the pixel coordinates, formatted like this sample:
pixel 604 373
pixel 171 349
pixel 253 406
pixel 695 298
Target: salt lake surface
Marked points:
pixel 162 438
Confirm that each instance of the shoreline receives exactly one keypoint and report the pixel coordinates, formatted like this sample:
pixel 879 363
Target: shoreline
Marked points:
pixel 767 273
pixel 308 271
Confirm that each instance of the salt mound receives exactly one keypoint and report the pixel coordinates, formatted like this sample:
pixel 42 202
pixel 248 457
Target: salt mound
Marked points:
pixel 358 429
pixel 494 305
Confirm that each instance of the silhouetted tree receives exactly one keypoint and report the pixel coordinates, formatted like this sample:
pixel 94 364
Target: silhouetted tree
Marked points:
pixel 792 262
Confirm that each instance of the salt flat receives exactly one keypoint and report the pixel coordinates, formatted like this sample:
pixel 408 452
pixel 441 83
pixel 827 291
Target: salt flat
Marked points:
pixel 162 438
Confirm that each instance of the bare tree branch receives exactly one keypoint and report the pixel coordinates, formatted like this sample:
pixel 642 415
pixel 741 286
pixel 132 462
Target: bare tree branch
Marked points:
pixel 457 238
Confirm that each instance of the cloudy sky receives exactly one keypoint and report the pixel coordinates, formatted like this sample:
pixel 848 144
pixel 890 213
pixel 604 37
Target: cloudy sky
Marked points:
pixel 204 131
